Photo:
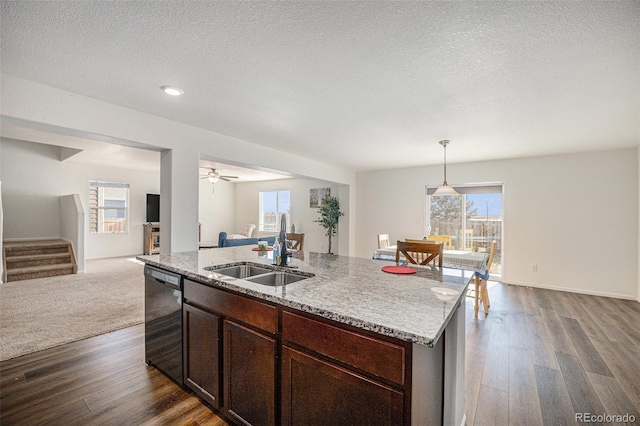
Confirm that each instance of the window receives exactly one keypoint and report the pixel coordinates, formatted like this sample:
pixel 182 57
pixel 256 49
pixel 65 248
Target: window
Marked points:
pixel 272 205
pixel 108 203
pixel 473 219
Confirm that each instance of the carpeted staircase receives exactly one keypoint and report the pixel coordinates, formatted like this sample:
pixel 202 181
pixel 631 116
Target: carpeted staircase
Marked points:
pixel 25 260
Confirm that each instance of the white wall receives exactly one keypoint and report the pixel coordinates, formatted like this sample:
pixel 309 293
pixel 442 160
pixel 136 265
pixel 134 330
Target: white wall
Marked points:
pixel 575 216
pixel 638 294
pixel 34 178
pixel 217 209
pixel 72 226
pixel 303 216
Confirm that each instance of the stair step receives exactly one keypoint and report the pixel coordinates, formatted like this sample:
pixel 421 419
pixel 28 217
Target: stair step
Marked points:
pixel 37 259
pixel 42 271
pixel 34 250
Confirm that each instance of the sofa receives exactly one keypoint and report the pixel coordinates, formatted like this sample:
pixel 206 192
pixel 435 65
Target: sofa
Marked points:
pixel 225 241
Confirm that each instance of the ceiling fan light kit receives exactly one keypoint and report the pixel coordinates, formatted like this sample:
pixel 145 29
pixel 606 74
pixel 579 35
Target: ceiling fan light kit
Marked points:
pixel 213 176
pixel 445 189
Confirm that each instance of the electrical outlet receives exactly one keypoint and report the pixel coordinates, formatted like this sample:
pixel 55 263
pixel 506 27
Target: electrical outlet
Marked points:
pixel 534 268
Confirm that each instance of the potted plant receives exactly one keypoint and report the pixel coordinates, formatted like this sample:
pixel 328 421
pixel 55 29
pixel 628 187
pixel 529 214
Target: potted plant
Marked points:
pixel 329 215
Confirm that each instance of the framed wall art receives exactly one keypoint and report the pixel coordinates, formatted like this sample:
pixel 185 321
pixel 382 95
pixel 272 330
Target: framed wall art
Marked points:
pixel 317 197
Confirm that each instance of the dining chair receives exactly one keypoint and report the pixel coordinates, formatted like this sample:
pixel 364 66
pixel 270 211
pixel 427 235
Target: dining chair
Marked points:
pixel 445 239
pixel 298 241
pixel 480 293
pixel 383 241
pixel 419 252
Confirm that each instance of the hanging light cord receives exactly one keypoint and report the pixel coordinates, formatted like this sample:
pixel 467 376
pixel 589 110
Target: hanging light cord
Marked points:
pixel 444 144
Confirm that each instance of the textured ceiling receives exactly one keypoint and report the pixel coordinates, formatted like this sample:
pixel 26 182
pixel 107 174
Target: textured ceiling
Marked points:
pixel 361 85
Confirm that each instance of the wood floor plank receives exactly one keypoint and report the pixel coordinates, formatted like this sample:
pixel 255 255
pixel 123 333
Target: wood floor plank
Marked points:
pixel 524 406
pixel 518 331
pixel 176 414
pixel 76 374
pixel 136 412
pixel 493 407
pixel 544 354
pixel 557 334
pixel 543 299
pixel 474 365
pixel 478 340
pixel 496 365
pixel 631 329
pixel 527 297
pixel 584 397
pixel 97 398
pixel 587 353
pixel 608 328
pixel 614 398
pixel 553 397
pixel 134 404
pixel 75 389
pixel 624 367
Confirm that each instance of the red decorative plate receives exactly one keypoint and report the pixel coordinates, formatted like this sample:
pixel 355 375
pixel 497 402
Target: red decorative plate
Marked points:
pixel 399 270
pixel 259 249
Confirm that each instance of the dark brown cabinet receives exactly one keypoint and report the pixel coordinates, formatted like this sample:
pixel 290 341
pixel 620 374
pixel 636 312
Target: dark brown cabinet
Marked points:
pixel 202 353
pixel 249 375
pixel 316 392
pixel 230 350
pixel 328 373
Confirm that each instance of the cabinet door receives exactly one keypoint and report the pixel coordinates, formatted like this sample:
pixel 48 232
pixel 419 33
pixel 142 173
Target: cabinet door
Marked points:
pixel 249 375
pixel 315 392
pixel 202 353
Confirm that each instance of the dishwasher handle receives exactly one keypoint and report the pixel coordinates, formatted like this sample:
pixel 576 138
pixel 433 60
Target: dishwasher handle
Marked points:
pixel 167 279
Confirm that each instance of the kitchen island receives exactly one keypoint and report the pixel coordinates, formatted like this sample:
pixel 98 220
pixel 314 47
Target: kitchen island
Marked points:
pixel 347 344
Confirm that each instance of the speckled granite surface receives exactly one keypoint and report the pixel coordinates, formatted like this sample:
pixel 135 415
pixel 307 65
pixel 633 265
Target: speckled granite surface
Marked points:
pixel 349 290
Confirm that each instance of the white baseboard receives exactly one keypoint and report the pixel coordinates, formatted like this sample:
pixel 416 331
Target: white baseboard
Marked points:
pixel 573 290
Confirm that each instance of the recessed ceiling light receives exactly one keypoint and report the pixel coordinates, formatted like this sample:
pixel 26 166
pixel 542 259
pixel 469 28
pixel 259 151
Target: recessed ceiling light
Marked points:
pixel 171 90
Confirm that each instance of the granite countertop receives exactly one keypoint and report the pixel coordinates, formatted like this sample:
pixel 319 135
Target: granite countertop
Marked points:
pixel 349 290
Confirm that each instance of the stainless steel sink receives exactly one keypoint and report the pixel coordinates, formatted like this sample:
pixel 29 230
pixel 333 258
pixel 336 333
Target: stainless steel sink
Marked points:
pixel 277 278
pixel 239 271
pixel 259 274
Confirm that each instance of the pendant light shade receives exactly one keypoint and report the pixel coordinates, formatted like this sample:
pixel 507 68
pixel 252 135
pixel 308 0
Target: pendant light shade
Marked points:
pixel 445 189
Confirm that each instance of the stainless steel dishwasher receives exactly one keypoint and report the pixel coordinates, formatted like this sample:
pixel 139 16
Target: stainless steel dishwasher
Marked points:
pixel 163 321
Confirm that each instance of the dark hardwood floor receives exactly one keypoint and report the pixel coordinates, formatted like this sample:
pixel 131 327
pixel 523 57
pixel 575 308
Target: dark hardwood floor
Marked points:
pixel 100 380
pixel 540 357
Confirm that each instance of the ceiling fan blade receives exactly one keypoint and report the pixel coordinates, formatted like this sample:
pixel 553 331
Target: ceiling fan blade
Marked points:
pixel 230 177
pixel 223 178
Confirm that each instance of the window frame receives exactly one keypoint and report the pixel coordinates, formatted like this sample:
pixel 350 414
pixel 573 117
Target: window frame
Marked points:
pixel 464 190
pixel 261 213
pixel 99 207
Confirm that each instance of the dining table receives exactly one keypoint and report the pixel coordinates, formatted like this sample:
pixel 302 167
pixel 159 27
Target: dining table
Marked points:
pixel 455 259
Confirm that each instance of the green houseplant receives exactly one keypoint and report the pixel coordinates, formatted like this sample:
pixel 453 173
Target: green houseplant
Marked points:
pixel 329 215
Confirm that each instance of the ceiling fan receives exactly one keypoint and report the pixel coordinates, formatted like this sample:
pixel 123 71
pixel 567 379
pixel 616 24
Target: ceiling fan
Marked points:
pixel 214 176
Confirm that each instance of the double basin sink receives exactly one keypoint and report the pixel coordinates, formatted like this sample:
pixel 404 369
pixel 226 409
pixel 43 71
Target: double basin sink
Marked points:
pixel 260 274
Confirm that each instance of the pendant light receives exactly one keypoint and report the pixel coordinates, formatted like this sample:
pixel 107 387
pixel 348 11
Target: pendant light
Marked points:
pixel 445 189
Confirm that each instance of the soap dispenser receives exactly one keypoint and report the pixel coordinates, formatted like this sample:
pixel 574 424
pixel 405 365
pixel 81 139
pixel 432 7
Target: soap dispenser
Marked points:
pixel 275 252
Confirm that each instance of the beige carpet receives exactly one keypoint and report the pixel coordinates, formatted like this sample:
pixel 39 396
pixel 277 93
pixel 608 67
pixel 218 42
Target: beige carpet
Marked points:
pixel 45 312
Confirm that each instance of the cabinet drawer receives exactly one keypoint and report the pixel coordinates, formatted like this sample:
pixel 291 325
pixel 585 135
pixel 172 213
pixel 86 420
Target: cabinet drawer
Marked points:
pixel 243 309
pixel 377 357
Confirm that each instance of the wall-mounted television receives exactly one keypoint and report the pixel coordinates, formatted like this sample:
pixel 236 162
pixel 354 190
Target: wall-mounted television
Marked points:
pixel 153 208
